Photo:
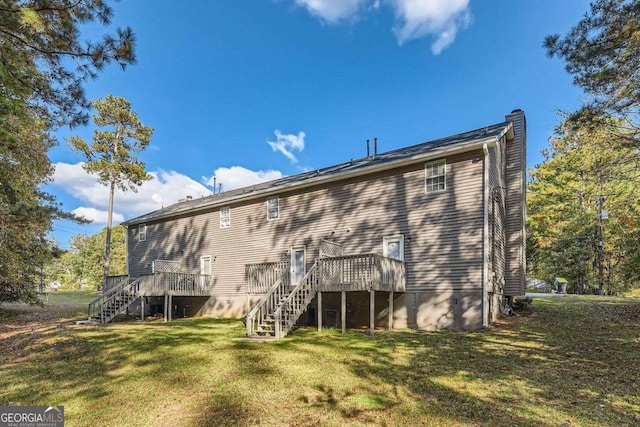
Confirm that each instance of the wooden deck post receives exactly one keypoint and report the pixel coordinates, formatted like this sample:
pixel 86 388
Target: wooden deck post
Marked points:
pixel 169 307
pixel 166 304
pixel 372 313
pixel 319 311
pixel 142 308
pixel 391 309
pixel 343 312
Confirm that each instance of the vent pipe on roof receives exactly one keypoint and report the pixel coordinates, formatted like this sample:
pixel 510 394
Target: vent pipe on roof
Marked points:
pixel 214 185
pixel 368 155
pixel 219 188
pixel 375 147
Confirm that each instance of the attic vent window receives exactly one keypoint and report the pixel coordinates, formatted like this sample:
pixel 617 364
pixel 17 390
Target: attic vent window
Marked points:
pixel 435 176
pixel 273 208
pixel 225 217
pixel 142 233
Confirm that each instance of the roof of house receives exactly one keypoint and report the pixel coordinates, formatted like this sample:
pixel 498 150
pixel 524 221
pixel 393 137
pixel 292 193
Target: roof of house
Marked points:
pixel 441 147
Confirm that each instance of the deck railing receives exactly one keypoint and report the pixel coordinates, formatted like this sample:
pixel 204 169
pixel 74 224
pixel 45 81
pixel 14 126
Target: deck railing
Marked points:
pixel 268 303
pixel 361 273
pixel 259 278
pixel 94 306
pixel 296 303
pixel 184 284
pixel 111 303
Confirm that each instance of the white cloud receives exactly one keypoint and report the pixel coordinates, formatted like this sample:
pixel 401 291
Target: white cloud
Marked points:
pixel 97 216
pixel 441 18
pixel 165 189
pixel 286 143
pixel 415 19
pixel 333 11
pixel 237 177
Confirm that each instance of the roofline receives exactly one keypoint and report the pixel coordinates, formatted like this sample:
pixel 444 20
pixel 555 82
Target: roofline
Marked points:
pixel 457 149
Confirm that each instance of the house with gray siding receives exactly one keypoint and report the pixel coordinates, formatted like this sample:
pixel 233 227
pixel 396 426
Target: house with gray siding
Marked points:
pixel 430 236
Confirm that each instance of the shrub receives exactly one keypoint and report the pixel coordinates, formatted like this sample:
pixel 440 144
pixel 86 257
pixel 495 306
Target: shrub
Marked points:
pixel 522 303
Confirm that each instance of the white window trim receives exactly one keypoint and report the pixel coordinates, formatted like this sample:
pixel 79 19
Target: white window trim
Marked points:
pixel 202 260
pixel 227 223
pixel 277 199
pixel 426 178
pixel 396 237
pixel 142 233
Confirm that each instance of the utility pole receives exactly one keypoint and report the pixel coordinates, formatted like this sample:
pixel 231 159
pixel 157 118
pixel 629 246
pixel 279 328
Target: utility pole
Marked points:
pixel 600 246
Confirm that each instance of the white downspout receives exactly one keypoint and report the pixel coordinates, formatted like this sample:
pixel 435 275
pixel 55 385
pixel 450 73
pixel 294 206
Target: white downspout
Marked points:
pixel 485 240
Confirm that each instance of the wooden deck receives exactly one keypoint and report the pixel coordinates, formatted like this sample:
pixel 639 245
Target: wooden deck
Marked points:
pixel 279 309
pixel 175 284
pixel 349 273
pixel 357 273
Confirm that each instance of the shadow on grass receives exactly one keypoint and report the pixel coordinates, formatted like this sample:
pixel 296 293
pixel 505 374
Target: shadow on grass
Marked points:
pixel 67 363
pixel 576 360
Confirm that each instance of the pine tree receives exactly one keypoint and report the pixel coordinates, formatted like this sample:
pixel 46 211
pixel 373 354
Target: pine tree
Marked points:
pixel 44 62
pixel 602 53
pixel 43 65
pixel 111 155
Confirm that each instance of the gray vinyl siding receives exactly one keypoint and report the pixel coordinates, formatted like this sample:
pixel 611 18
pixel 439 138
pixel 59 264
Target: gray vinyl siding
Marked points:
pixel 516 207
pixel 443 230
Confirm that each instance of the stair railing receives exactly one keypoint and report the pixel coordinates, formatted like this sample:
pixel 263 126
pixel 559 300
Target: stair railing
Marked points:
pixel 118 301
pixel 296 303
pixel 268 303
pixel 94 306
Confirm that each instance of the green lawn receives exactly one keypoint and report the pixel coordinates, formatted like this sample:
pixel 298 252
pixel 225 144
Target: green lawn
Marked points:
pixel 571 360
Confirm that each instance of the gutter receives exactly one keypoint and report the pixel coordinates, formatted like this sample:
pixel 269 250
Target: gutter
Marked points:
pixel 475 145
pixel 485 240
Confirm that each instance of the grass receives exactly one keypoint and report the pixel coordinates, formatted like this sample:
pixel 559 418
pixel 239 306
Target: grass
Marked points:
pixel 58 306
pixel 573 360
pixel 634 293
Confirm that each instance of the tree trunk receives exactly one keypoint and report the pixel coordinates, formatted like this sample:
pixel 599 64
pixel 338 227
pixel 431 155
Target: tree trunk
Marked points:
pixel 107 246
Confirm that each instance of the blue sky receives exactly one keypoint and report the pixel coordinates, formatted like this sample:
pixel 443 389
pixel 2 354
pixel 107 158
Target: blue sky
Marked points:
pixel 249 90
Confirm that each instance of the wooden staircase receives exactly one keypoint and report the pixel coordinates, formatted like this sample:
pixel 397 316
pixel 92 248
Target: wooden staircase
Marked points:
pixel 113 302
pixel 279 309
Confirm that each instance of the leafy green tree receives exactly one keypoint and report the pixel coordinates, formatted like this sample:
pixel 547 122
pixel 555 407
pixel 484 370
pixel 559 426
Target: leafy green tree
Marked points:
pixel 111 156
pixel 602 52
pixel 43 64
pixel 26 211
pixel 83 264
pixel 60 269
pixel 581 166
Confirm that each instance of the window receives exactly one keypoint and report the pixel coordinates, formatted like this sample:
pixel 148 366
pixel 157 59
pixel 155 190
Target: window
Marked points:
pixel 225 217
pixel 205 265
pixel 273 208
pixel 142 233
pixel 435 176
pixel 393 247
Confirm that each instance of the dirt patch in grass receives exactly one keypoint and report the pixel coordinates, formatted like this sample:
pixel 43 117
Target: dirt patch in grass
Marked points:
pixel 571 360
